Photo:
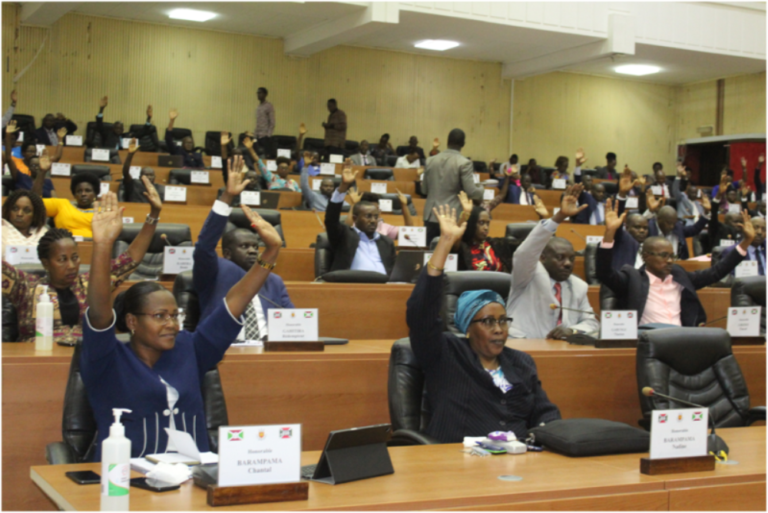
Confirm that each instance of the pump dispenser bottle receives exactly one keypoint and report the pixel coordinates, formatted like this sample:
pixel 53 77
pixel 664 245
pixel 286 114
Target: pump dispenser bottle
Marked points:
pixel 115 466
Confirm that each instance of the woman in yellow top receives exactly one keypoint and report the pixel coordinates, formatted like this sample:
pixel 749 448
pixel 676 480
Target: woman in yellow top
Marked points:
pixel 75 217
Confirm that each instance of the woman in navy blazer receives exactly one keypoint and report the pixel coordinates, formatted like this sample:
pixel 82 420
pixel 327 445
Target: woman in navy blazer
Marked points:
pixel 158 374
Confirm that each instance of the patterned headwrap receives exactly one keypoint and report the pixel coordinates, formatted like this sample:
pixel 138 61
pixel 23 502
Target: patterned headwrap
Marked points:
pixel 470 302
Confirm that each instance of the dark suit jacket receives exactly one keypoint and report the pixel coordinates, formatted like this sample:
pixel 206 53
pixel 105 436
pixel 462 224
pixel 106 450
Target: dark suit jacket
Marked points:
pixel 681 231
pixel 345 241
pixel 602 173
pixel 213 276
pixel 42 136
pixel 719 231
pixel 584 198
pixel 631 285
pixel 513 194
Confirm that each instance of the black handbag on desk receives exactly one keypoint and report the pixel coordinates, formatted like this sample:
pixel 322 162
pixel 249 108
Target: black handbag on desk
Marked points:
pixel 590 437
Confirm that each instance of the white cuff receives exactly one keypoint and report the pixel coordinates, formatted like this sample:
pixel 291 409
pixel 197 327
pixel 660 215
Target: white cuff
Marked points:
pixel 221 208
pixel 621 198
pixel 114 319
pixel 338 197
pixel 715 200
pixel 577 171
pixel 238 321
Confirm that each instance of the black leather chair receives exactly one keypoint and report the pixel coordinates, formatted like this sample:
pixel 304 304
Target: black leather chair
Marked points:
pixel 151 266
pixel 717 254
pixel 93 136
pixel 178 134
pixel 698 366
pixel 519 231
pixel 148 141
pixel 312 144
pixel 379 174
pixel 324 261
pixel 750 291
pixel 237 219
pixel 213 143
pixel 186 298
pixel 10 321
pixel 391 160
pixel 26 124
pixel 351 148
pixel 114 156
pixel 480 166
pixel 408 406
pixel 103 172
pixel 611 189
pixel 183 176
pixel 590 264
pixel 401 150
pixel 79 427
pixel 397 207
pixel 456 283
pixel 608 300
pixel 284 142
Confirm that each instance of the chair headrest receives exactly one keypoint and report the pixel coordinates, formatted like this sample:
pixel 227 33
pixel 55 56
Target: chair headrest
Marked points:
pixel 687 350
pixel 175 233
pixel 457 283
pixel 103 172
pixel 350 276
pixel 519 230
pixel 183 283
pixel 239 219
pixel 753 286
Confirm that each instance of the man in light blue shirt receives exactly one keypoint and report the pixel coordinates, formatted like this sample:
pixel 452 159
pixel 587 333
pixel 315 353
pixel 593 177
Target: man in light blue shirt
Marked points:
pixel 317 201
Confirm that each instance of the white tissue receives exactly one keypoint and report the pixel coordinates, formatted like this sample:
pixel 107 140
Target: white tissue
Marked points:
pixel 471 441
pixel 171 473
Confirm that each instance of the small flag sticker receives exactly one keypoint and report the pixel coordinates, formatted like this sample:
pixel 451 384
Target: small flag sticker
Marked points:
pixel 278 315
pixel 235 435
pixel 286 432
pixel 662 418
pixel 697 415
pixel 308 315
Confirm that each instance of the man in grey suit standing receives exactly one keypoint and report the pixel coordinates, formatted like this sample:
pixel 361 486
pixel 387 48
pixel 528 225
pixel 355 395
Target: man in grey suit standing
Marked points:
pixel 542 275
pixel 447 174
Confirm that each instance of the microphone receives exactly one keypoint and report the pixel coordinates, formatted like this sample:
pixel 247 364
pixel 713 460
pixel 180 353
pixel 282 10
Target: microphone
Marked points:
pixel 165 239
pixel 712 322
pixel 318 218
pixel 578 235
pixel 553 306
pixel 715 444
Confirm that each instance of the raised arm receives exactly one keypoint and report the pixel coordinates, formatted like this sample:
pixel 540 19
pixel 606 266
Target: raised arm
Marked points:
pixel 9 113
pixel 172 115
pixel 133 147
pixel 140 244
pixel 260 168
pixel 61 133
pixel 758 179
pixel 39 183
pixel 300 139
pixel 616 281
pixel 249 285
pixel 404 204
pixel 9 142
pixel 106 226
pixel 333 213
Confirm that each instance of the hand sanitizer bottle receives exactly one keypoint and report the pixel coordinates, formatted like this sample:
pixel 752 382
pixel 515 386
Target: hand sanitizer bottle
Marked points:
pixel 44 322
pixel 115 467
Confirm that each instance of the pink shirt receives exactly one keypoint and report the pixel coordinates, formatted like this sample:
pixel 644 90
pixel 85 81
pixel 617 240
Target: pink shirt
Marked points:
pixel 389 230
pixel 663 303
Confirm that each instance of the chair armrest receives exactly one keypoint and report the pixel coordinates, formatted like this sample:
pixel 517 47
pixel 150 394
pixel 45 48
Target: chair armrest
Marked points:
pixel 756 414
pixel 410 437
pixel 59 453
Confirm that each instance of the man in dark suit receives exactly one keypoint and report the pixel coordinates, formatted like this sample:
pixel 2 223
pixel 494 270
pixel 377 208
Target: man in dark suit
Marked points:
pixel 359 247
pixel 47 134
pixel 666 224
pixel 609 171
pixel 660 291
pixel 213 276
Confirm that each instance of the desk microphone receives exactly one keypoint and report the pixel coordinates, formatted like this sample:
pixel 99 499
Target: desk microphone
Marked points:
pixel 712 322
pixel 318 218
pixel 715 444
pixel 553 306
pixel 578 235
pixel 165 239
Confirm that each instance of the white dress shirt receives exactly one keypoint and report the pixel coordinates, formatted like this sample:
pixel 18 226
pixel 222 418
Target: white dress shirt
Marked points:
pixel 598 216
pixel 402 163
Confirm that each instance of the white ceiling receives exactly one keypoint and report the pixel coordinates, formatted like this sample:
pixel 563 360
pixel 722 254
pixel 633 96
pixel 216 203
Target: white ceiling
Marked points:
pixel 480 40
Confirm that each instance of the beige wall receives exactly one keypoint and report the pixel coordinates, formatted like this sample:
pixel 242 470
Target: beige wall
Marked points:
pixel 211 77
pixel 557 113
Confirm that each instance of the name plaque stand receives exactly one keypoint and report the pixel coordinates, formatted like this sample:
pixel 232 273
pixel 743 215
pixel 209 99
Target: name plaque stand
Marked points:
pixel 254 494
pixel 274 347
pixel 677 465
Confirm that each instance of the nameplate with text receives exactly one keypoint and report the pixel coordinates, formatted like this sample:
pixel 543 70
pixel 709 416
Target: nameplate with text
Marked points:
pixel 747 268
pixel 284 153
pixel 412 236
pixel 451 263
pixel 679 433
pixel 254 455
pixel 489 194
pixel 632 203
pixel 558 183
pixel 174 193
pixel 40 148
pixel 271 166
pixel 657 190
pixel 726 243
pixel 335 158
pixel 327 169
pixel 216 162
pixel 74 140
pixel 385 205
pixel 378 187
pixel 618 324
pixel 16 255
pixel 125 142
pixel 59 169
pixel 100 155
pixel 177 259
pixel 292 325
pixel 201 177
pixel 103 188
pixel 316 184
pixel 744 321
pixel 476 177
pixel 135 172
pixel 594 239
pixel 250 198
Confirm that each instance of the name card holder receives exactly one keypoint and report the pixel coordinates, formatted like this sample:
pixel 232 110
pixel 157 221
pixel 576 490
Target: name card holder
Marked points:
pixel 679 442
pixel 677 465
pixel 292 329
pixel 290 347
pixel 254 494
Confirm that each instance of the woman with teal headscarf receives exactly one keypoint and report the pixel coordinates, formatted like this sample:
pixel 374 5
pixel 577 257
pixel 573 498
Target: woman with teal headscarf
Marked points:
pixel 475 384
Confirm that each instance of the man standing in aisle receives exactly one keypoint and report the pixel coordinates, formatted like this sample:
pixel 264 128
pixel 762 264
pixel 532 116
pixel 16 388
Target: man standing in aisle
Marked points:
pixel 265 123
pixel 447 174
pixel 335 130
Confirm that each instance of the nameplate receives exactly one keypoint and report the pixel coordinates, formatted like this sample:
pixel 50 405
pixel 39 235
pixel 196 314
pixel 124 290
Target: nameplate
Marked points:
pixel 127 220
pixel 632 202
pixel 216 162
pixel 202 177
pixel 40 148
pixel 16 255
pixel 744 321
pixel 657 190
pixel 135 172
pixel 489 194
pixel 177 259
pixel 734 208
pixel 103 188
pixel 100 155
pixel 59 169
pixel 618 324
pixel 250 198
pixel 174 193
pixel 327 169
pixel 476 177
pixel 73 140
pixel 378 187
pixel 451 263
pixel 412 236
pixel 594 239
pixel 335 158
pixel 284 153
pixel 292 325
pixel 726 243
pixel 316 184
pixel 558 183
pixel 252 455
pixel 271 165
pixel 385 205
pixel 20 138
pixel 125 142
pixel 679 433
pixel 747 268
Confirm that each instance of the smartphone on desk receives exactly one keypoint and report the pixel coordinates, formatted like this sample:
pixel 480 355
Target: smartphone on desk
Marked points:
pixel 149 484
pixel 84 477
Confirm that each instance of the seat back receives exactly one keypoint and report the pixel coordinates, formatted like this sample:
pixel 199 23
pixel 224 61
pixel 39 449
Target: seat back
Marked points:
pixel 717 254
pixel 608 300
pixel 213 143
pixel 401 150
pixel 391 160
pixel 612 188
pixel 114 156
pixel 456 283
pixel 10 321
pixel 479 166
pixel 750 291
pixel 408 407
pixel 146 142
pixel 93 136
pixel 151 266
pixel 186 299
pixel 102 172
pixel 177 134
pixel 312 144
pixel 26 124
pixel 519 230
pixel 237 219
pixel 8 185
pixel 180 176
pixel 695 365
pixel 379 174
pixel 590 264
pixel 323 255
pixel 284 142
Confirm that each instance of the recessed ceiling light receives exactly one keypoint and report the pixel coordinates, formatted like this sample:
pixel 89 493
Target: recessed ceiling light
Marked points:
pixel 637 69
pixel 436 44
pixel 191 15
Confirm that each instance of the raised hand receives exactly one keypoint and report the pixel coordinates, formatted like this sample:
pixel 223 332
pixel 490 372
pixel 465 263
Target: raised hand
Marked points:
pixel 723 185
pixel 613 220
pixel 436 143
pixel 61 133
pixel 353 196
pixel 403 199
pixel 569 206
pixel 11 128
pixel 248 142
pixel 45 162
pixel 104 102
pixel 761 159
pixel 513 170
pixel 539 207
pixel 745 190
pixel 348 175
pixel 744 162
pixel 626 182
pixel 149 111
pixel 466 203
pixel 581 158
pixel 641 181
pixel 449 228
pixel 225 138
pixel 265 230
pixel 173 114
pixel 748 231
pixel 307 157
pixel 156 204
pixel 133 146
pixel 107 220
pixel 706 203
pixel 302 129
pixel 681 172
pixel 13 96
pixel 654 204
pixel 236 182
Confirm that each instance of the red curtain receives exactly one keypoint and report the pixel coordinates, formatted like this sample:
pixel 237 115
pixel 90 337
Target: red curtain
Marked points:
pixel 751 150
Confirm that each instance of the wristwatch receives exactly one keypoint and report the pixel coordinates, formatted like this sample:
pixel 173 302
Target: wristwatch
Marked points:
pixel 151 220
pixel 266 265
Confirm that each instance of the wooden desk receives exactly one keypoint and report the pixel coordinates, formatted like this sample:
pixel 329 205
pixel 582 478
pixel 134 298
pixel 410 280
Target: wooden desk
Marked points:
pixel 443 477
pixel 341 387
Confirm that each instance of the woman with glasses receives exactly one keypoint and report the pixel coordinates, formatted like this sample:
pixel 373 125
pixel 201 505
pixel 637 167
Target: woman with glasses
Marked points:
pixel 475 384
pixel 158 374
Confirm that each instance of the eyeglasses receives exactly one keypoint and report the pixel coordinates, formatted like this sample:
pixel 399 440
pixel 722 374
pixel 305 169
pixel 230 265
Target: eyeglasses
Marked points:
pixel 163 318
pixel 489 322
pixel 665 255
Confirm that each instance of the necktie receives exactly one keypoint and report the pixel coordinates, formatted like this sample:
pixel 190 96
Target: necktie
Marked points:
pixel 662 190
pixel 559 297
pixel 251 323
pixel 760 266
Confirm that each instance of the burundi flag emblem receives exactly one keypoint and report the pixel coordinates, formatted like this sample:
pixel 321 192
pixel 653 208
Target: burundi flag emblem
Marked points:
pixel 697 415
pixel 235 435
